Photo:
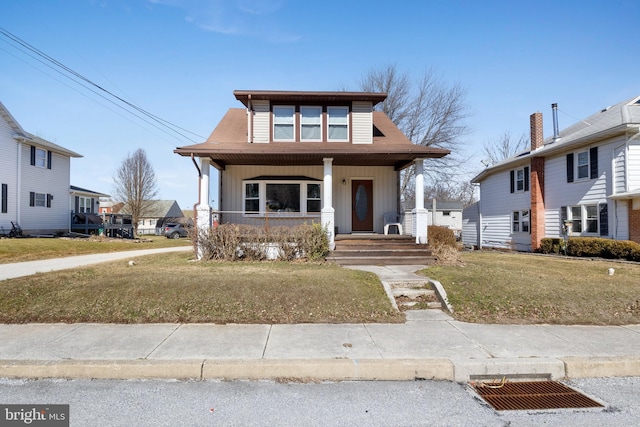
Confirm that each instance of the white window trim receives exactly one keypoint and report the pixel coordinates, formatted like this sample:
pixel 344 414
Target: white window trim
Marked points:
pixel 521 221
pixel 516 180
pixel 329 123
pixel 41 158
pixel 293 118
pixel 262 191
pixel 584 219
pixel 577 165
pixel 302 123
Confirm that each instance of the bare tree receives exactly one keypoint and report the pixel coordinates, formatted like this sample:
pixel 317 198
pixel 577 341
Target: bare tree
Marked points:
pixel 135 185
pixel 504 147
pixel 430 113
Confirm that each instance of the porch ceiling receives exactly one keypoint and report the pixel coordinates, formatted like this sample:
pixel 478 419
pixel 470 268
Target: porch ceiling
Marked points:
pixel 312 154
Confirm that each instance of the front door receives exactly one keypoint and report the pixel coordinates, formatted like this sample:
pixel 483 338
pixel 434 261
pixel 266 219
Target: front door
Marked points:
pixel 362 205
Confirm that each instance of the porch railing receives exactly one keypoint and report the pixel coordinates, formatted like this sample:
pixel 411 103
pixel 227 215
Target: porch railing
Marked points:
pixel 264 219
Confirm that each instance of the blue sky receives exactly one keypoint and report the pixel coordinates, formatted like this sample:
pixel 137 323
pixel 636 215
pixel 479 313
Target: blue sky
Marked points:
pixel 182 59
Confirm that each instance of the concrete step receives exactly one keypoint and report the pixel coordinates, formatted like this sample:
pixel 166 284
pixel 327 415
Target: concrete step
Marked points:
pixel 367 260
pixel 413 293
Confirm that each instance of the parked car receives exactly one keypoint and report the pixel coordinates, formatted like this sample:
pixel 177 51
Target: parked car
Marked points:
pixel 173 230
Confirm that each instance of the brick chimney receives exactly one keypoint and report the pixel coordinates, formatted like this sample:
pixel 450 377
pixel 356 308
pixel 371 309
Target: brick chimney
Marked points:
pixel 537 138
pixel 537 182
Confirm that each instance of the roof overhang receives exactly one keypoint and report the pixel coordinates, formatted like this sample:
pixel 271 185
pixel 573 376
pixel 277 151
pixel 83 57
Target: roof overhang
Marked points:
pixel 628 195
pixel 307 154
pixel 245 96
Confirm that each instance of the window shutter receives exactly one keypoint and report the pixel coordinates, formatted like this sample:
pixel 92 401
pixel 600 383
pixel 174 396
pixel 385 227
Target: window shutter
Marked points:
pixel 33 155
pixel 593 162
pixel 32 198
pixel 530 222
pixel 49 156
pixel 77 204
pixel 5 198
pixel 49 199
pixel 513 180
pixel 93 205
pixel 570 167
pixel 563 214
pixel 526 178
pixel 604 219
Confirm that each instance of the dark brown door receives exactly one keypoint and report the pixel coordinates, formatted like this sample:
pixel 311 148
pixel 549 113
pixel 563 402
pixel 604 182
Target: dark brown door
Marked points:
pixel 361 205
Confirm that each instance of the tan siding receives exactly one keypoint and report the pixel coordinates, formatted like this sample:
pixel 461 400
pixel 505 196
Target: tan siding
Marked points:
pixel 362 122
pixel 261 121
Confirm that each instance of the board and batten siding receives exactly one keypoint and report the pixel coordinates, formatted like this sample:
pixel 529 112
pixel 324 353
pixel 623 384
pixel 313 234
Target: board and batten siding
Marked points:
pixel 498 204
pixel 362 122
pixel 384 188
pixel 9 173
pixel 261 121
pixel 54 181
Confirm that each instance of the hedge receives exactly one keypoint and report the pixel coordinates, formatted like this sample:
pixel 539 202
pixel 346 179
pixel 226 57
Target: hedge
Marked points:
pixel 592 247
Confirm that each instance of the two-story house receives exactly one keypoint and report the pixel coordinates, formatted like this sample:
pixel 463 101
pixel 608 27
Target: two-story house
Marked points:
pixel 34 178
pixel 298 157
pixel 582 181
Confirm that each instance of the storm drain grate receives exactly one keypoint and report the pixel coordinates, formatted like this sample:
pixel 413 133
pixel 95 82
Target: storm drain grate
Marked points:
pixel 505 396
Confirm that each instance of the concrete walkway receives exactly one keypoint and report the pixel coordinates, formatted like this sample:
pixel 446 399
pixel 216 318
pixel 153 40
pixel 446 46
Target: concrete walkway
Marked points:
pixel 430 345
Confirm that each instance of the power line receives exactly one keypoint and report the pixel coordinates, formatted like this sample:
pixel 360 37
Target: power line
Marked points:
pixel 78 78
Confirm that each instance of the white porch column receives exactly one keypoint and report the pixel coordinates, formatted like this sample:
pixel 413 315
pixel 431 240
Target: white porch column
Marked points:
pixel 327 216
pixel 203 210
pixel 420 214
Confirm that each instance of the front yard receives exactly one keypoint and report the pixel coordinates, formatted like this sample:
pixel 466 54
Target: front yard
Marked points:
pixel 498 287
pixel 170 288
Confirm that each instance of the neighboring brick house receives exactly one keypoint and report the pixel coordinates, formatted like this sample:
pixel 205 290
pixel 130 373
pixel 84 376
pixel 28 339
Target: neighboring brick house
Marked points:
pixel 585 178
pixel 34 180
pixel 310 156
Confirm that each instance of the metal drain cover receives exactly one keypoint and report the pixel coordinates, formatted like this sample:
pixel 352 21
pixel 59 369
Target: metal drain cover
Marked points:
pixel 505 396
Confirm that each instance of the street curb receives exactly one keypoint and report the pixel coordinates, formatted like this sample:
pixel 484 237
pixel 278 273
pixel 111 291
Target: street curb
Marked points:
pixel 599 367
pixel 259 369
pixel 102 369
pixel 330 369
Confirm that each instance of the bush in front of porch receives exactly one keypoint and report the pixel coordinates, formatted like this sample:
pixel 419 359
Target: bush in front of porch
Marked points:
pixel 234 242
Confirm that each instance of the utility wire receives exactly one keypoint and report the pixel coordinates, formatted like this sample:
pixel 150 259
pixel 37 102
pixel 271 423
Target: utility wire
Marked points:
pixel 166 124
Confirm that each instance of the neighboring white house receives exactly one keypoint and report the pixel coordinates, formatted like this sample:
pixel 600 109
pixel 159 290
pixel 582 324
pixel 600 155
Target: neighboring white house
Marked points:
pixel 157 210
pixel 300 157
pixel 585 178
pixel 445 214
pixel 84 201
pixel 34 178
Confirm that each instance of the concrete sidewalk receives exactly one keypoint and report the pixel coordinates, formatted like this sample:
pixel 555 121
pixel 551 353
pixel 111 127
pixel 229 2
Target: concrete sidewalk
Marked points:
pixel 430 345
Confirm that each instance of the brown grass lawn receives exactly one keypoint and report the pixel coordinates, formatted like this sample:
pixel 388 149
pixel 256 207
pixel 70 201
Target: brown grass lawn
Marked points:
pixel 29 249
pixel 172 288
pixel 497 287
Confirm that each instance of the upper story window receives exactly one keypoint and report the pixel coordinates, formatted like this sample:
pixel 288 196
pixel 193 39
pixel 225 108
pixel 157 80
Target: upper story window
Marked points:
pixel 41 158
pixel 283 123
pixel 338 123
pixel 582 165
pixel 519 179
pixel 311 123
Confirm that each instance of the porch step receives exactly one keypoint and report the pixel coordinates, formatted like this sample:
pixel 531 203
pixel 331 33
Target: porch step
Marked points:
pixel 379 250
